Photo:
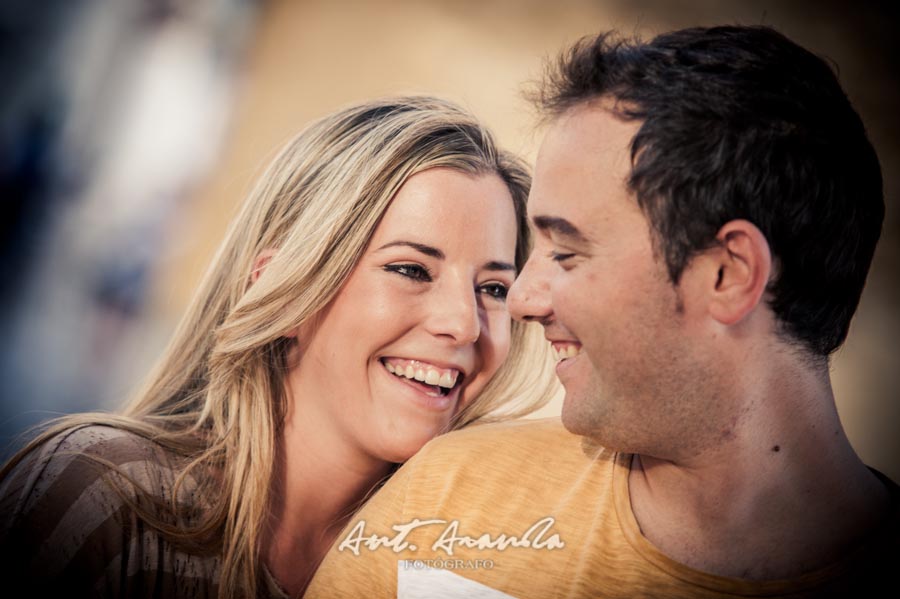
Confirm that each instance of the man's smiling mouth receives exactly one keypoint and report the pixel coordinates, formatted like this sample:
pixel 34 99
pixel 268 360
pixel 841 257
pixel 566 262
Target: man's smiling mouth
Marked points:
pixel 435 381
pixel 565 350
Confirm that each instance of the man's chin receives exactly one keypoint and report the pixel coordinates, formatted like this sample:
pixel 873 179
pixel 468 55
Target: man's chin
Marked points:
pixel 575 418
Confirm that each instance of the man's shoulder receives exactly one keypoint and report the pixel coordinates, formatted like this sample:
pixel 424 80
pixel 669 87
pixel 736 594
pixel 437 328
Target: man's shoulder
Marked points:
pixel 522 449
pixel 887 537
pixel 506 437
pixel 523 495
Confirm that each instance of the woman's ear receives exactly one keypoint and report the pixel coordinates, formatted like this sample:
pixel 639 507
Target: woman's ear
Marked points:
pixel 743 263
pixel 259 264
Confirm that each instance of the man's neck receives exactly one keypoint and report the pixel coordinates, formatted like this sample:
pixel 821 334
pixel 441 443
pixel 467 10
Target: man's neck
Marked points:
pixel 783 494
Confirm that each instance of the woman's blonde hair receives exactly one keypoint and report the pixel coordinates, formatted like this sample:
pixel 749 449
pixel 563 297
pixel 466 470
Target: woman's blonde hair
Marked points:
pixel 217 396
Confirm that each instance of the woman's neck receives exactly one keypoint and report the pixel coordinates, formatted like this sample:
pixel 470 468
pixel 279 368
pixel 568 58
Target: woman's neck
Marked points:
pixel 321 478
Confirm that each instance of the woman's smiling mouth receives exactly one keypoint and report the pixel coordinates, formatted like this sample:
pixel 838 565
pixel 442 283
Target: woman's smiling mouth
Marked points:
pixel 433 380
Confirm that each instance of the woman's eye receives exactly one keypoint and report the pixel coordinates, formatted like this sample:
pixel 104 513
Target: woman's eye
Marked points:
pixel 495 290
pixel 416 272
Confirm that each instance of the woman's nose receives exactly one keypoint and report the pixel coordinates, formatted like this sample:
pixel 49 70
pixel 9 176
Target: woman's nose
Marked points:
pixel 455 313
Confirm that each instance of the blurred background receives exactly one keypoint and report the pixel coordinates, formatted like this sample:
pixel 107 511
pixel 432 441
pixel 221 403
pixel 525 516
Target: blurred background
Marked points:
pixel 131 129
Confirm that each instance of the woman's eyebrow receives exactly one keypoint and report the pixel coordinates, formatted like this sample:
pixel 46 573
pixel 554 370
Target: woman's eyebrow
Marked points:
pixel 421 247
pixel 495 265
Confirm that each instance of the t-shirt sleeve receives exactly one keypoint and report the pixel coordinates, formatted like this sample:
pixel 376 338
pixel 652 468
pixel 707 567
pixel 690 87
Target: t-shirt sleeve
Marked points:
pixel 64 526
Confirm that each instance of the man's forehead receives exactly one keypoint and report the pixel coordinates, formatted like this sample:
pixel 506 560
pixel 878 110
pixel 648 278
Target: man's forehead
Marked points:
pixel 584 159
pixel 592 129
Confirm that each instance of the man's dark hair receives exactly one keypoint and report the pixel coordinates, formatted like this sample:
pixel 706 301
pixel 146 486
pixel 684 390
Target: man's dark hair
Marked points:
pixel 740 122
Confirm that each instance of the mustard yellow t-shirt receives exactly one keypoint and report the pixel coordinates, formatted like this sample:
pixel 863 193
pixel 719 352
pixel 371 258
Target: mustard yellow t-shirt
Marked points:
pixel 526 509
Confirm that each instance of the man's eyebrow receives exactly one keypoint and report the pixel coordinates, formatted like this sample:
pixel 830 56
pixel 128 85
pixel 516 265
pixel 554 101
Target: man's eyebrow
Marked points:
pixel 421 247
pixel 560 226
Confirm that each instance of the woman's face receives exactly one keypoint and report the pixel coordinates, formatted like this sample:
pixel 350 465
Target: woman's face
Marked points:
pixel 421 324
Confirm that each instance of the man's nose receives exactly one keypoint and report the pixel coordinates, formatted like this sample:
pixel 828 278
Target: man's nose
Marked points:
pixel 529 298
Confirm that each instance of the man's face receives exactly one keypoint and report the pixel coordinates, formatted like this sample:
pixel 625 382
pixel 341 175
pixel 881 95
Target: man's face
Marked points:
pixel 626 359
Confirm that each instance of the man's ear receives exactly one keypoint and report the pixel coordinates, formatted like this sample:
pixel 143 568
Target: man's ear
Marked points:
pixel 259 264
pixel 743 265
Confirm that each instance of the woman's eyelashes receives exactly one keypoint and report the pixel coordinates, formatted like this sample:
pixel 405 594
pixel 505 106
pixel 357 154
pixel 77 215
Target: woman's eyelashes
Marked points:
pixel 420 274
pixel 497 291
pixel 415 272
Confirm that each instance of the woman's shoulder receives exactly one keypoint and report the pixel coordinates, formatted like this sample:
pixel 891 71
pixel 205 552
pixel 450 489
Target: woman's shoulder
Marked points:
pixel 71 472
pixel 76 459
pixel 68 506
pixel 130 452
pixel 105 441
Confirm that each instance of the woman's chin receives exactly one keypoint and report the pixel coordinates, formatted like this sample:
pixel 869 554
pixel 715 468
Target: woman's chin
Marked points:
pixel 398 448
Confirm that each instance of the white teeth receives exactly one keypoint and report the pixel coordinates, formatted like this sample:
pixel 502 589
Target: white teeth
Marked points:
pixel 424 373
pixel 568 351
pixel 447 380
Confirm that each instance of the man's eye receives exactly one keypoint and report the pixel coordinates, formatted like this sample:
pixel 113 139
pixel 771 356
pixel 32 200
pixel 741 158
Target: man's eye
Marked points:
pixel 557 257
pixel 495 290
pixel 416 272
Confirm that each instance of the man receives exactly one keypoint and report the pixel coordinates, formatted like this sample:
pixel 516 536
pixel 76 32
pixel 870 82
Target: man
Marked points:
pixel 706 208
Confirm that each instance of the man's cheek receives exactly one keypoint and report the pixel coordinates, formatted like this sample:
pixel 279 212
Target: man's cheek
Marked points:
pixel 568 284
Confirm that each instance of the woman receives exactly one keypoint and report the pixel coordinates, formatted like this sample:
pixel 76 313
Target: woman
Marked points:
pixel 354 311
